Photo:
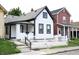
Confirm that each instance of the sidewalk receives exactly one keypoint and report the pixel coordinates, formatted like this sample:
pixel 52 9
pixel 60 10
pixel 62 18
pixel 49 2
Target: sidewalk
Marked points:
pixel 58 50
pixel 48 51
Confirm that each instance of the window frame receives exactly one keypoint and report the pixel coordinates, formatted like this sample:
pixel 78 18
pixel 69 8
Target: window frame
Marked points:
pixel 41 29
pixel 45 15
pixel 48 29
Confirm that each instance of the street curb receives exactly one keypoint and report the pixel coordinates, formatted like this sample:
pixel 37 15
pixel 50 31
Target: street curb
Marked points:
pixel 62 51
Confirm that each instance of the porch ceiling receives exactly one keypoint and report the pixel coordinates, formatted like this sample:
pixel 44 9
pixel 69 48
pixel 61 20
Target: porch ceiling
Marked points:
pixel 68 25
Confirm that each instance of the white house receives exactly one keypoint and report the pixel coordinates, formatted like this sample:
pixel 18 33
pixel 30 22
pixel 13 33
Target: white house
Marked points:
pixel 38 22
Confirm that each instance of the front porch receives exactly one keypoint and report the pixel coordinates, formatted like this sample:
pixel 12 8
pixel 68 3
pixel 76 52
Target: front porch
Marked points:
pixel 20 30
pixel 64 30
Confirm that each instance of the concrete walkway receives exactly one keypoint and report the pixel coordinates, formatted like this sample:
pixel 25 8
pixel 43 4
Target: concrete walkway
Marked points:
pixel 26 51
pixel 58 50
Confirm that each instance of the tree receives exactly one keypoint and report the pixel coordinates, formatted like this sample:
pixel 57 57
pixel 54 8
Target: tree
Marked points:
pixel 15 12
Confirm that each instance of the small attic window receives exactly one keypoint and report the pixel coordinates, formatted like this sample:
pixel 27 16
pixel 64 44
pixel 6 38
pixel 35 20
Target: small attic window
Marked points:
pixel 64 18
pixel 44 14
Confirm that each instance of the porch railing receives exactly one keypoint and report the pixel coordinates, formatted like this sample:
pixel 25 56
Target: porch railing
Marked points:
pixel 28 42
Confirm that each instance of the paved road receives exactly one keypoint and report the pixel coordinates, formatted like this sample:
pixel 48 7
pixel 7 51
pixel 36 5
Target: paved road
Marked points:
pixel 76 52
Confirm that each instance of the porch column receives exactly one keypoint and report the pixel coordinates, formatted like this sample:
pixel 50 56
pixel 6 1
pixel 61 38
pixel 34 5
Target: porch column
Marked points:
pixel 64 30
pixel 17 31
pixel 76 32
pixel 57 30
pixel 72 33
pixel 68 33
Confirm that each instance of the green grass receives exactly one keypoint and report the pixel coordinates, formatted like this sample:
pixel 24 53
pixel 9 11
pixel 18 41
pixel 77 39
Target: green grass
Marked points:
pixel 7 47
pixel 73 42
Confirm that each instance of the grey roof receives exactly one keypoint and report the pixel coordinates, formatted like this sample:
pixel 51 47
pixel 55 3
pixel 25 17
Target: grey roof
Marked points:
pixel 56 11
pixel 28 16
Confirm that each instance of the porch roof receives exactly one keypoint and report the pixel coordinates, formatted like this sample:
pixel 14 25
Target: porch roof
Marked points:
pixel 64 24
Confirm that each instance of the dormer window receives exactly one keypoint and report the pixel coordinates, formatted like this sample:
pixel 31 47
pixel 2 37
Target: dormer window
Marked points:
pixel 44 14
pixel 64 18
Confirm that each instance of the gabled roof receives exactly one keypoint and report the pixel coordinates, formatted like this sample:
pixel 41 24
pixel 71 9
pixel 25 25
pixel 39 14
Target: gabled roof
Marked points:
pixel 3 9
pixel 29 16
pixel 54 12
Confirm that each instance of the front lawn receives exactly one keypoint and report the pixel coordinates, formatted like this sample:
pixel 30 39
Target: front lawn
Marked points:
pixel 73 42
pixel 7 47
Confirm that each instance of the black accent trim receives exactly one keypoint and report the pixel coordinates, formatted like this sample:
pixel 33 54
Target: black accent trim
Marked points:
pixel 34 27
pixel 10 32
pixel 26 28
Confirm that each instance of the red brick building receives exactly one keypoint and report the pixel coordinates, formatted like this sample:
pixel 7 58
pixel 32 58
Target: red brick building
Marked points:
pixel 61 21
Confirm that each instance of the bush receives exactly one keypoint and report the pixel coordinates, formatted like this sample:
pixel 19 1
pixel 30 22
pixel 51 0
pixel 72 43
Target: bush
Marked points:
pixel 7 47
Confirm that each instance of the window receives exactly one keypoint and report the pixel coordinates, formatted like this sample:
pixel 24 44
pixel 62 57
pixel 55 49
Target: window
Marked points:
pixel 22 28
pixel 41 28
pixel 44 14
pixel 48 29
pixel 64 18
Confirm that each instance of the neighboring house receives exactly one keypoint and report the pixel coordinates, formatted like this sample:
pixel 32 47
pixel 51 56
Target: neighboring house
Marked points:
pixel 2 21
pixel 37 23
pixel 75 30
pixel 61 21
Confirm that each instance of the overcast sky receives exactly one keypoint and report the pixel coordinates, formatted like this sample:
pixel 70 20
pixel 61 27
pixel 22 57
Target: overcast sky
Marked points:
pixel 25 5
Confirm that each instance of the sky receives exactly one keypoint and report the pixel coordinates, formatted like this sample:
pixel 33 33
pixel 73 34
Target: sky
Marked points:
pixel 26 5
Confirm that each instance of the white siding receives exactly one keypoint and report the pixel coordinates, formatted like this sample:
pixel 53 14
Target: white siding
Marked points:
pixel 44 21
